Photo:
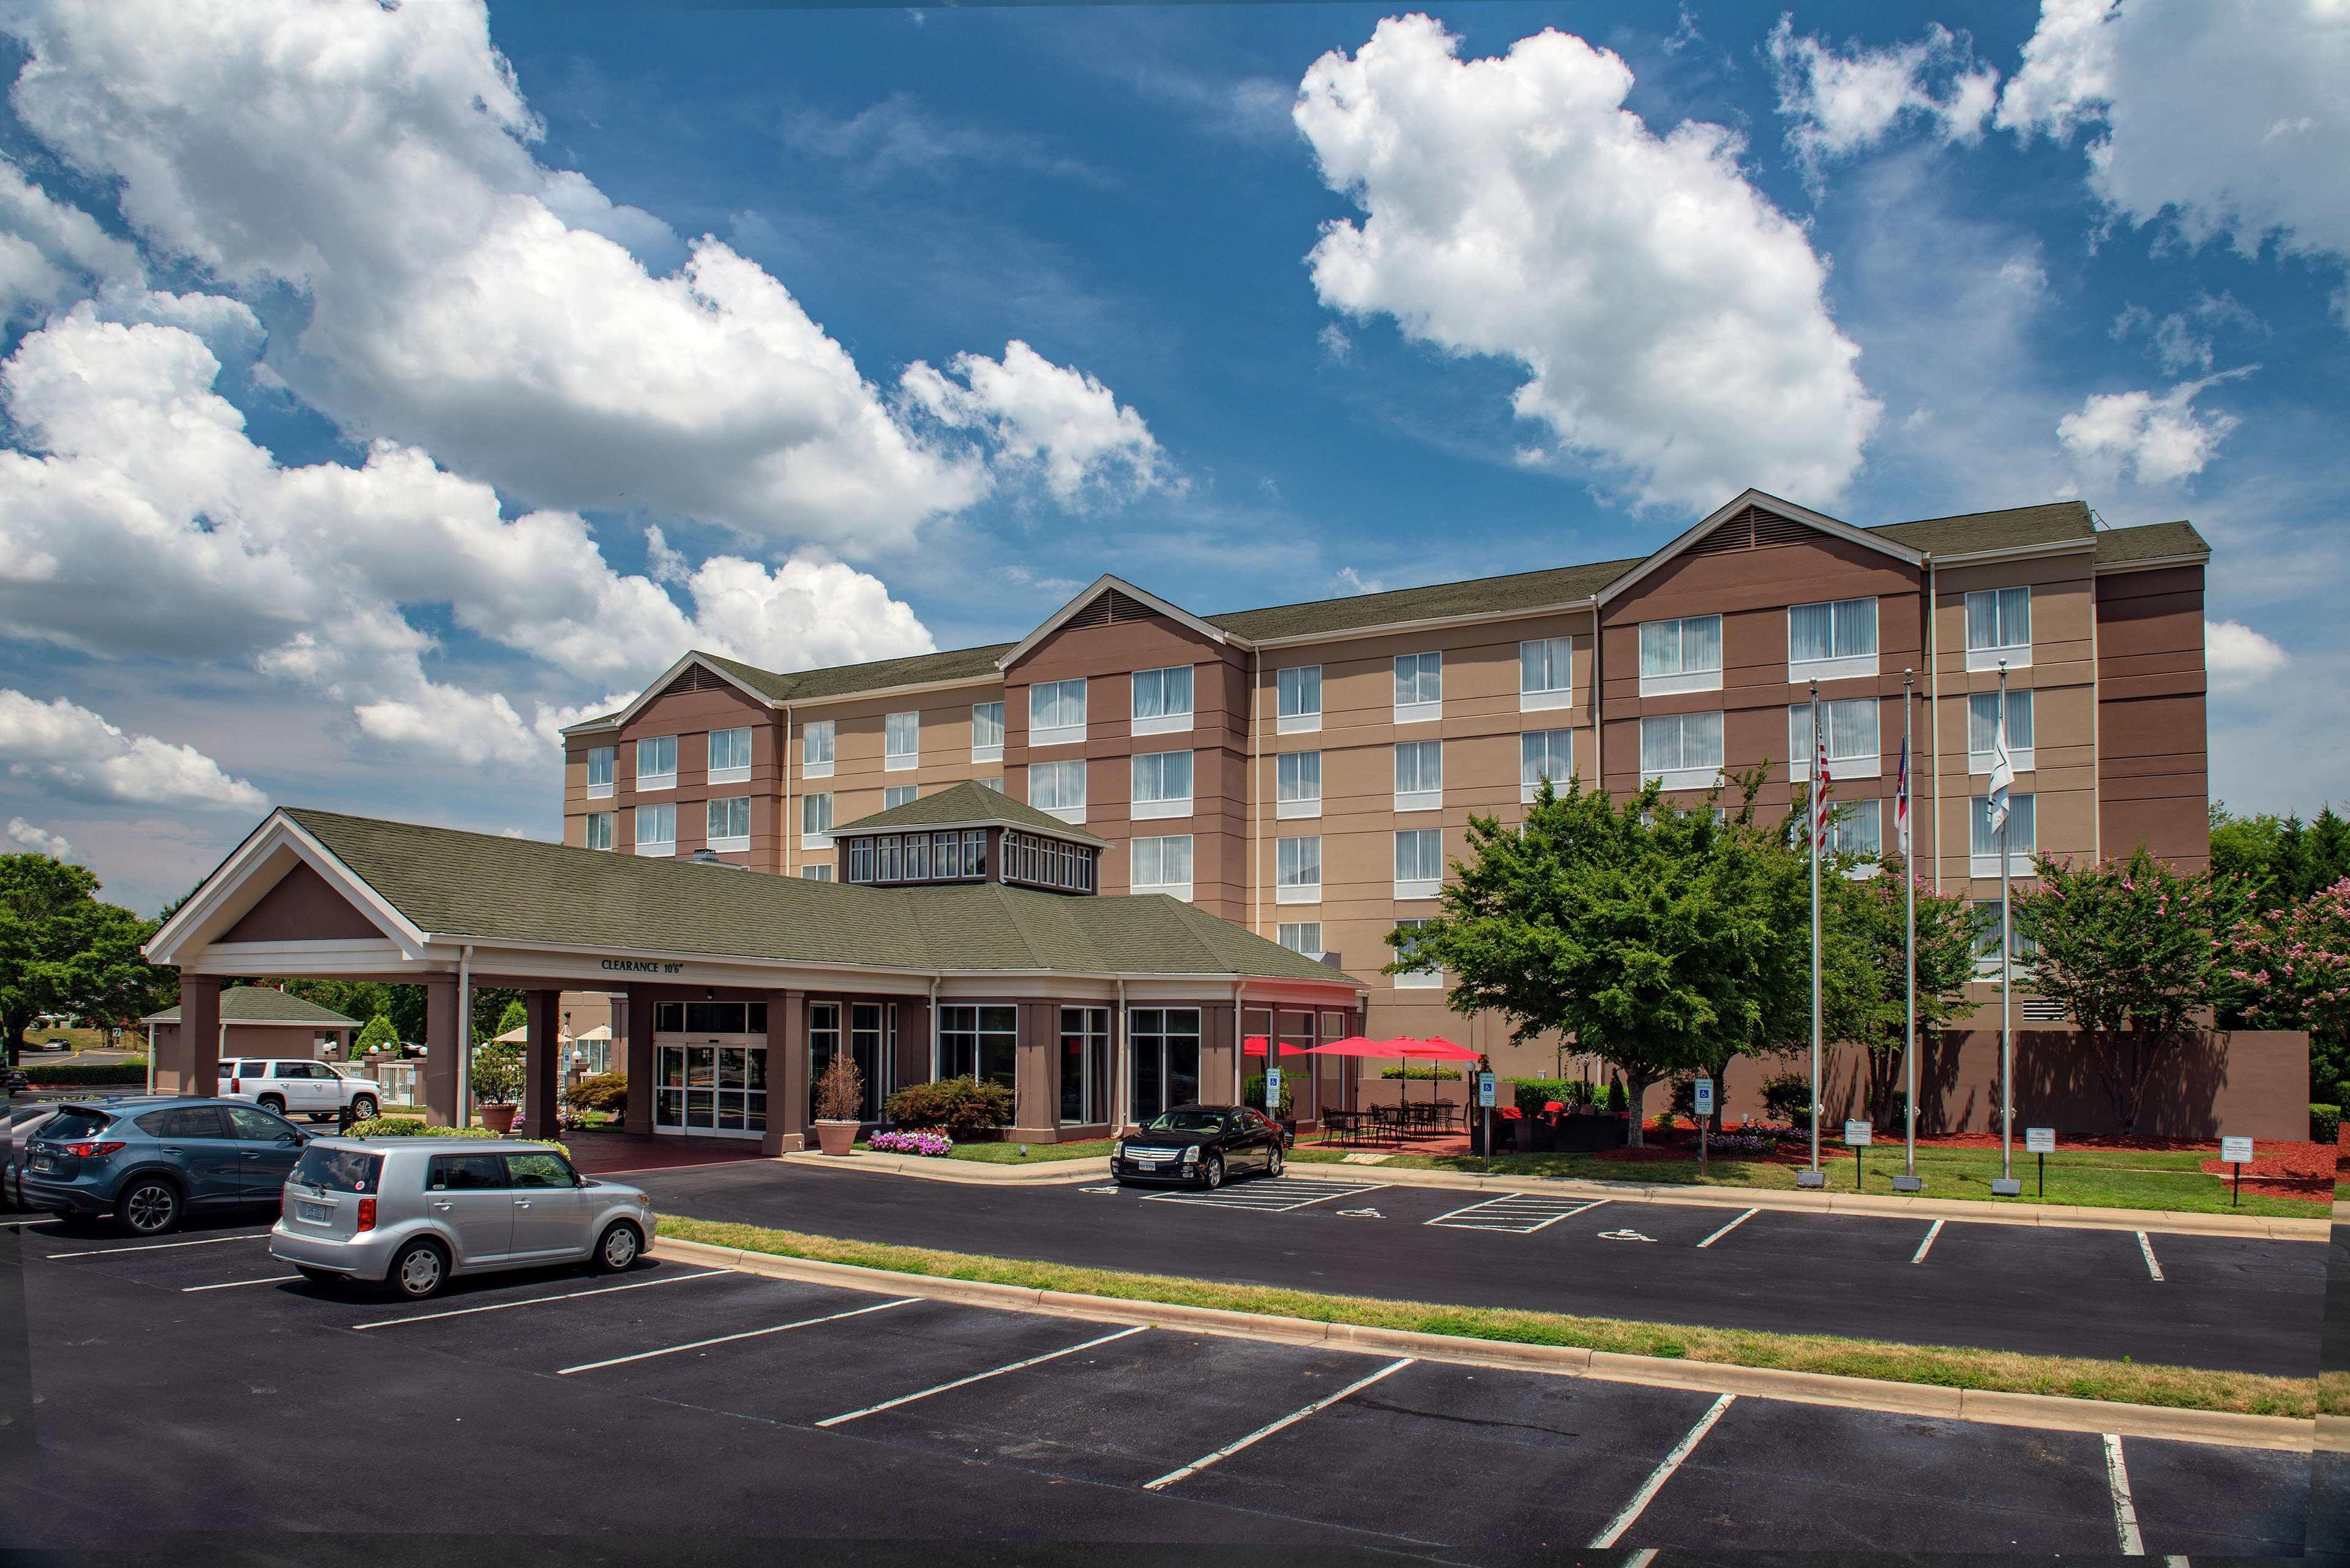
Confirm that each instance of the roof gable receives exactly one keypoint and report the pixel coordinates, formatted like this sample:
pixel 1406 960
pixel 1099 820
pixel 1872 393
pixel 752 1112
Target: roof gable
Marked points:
pixel 1753 519
pixel 1111 589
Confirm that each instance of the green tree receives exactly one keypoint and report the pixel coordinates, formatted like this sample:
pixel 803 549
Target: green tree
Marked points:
pixel 496 1011
pixel 64 950
pixel 379 1032
pixel 2290 968
pixel 497 1076
pixel 2280 860
pixel 2130 949
pixel 1864 979
pixel 1662 941
pixel 516 1016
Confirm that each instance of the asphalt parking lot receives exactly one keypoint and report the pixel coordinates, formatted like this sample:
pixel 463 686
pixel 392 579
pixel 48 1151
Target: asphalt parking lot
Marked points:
pixel 702 1401
pixel 2238 1303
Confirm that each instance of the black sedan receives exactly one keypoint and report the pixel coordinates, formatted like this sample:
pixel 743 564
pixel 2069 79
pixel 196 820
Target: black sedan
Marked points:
pixel 1200 1146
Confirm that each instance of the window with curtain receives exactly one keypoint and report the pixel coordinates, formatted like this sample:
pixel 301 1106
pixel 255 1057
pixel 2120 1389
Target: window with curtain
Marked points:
pixel 1832 640
pixel 1297 784
pixel 657 763
pixel 1423 978
pixel 729 823
pixel 1858 828
pixel 1543 672
pixel 1418 862
pixel 815 748
pixel 901 740
pixel 1852 737
pixel 599 771
pixel 730 756
pixel 1302 937
pixel 1162 697
pixel 1680 743
pixel 1297 870
pixel 1545 754
pixel 1683 650
pixel 1982 839
pixel 1999 629
pixel 896 795
pixel 1163 864
pixel 1162 783
pixel 816 816
pixel 1056 786
pixel 1299 690
pixel 1057 711
pixel 656 829
pixel 1419 679
pixel 1983 728
pixel 599 829
pixel 1418 774
pixel 986 732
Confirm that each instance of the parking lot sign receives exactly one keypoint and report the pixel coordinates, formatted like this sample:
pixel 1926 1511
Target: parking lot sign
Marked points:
pixel 1273 1088
pixel 1486 1088
pixel 1705 1096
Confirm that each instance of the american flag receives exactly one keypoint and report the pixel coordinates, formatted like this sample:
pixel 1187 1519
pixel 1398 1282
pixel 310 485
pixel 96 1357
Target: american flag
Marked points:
pixel 1820 779
pixel 1901 801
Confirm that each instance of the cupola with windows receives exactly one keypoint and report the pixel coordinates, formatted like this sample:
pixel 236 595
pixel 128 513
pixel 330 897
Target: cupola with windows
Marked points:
pixel 967 833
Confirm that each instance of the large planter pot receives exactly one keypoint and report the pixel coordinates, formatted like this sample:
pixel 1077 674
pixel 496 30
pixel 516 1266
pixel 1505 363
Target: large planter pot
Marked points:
pixel 500 1120
pixel 835 1137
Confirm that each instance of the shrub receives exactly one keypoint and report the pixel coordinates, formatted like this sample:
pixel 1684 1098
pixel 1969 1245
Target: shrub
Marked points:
pixel 70 1074
pixel 497 1074
pixel 1787 1098
pixel 409 1127
pixel 840 1091
pixel 604 1092
pixel 932 1145
pixel 1253 1092
pixel 378 1039
pixel 1423 1075
pixel 2324 1123
pixel 960 1108
pixel 1533 1094
pixel 1617 1100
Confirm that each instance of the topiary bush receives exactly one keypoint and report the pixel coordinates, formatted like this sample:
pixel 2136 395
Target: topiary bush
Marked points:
pixel 606 1092
pixel 1619 1101
pixel 2325 1124
pixel 961 1107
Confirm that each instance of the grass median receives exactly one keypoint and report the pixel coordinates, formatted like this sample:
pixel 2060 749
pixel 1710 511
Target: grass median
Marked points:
pixel 1945 1366
pixel 1034 1153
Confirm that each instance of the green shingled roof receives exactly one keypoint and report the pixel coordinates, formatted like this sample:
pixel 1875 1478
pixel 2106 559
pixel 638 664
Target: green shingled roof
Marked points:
pixel 2018 527
pixel 264 1005
pixel 2150 542
pixel 456 884
pixel 1519 591
pixel 966 805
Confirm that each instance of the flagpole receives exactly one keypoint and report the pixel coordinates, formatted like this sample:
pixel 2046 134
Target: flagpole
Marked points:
pixel 2007 1184
pixel 1910 880
pixel 1812 1178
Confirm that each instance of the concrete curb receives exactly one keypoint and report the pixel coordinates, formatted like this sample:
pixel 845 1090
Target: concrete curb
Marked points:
pixel 2047 1412
pixel 2159 1221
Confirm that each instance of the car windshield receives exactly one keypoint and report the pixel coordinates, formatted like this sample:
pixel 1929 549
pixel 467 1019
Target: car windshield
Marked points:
pixel 1191 1121
pixel 338 1169
pixel 74 1124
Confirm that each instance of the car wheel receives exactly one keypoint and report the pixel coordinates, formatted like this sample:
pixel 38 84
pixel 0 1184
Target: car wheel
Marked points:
pixel 1212 1172
pixel 318 1276
pixel 363 1108
pixel 274 1104
pixel 620 1245
pixel 417 1270
pixel 1272 1166
pixel 149 1207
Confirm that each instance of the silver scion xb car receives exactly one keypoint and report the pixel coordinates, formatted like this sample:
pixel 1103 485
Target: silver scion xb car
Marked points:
pixel 414 1211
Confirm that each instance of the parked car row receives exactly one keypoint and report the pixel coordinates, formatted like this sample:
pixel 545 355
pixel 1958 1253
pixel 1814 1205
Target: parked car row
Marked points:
pixel 409 1213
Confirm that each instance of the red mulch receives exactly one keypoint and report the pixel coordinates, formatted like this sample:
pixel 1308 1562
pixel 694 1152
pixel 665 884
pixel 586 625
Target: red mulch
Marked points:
pixel 2286 1169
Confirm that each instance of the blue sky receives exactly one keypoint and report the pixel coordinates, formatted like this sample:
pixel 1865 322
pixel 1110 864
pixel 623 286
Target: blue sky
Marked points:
pixel 414 380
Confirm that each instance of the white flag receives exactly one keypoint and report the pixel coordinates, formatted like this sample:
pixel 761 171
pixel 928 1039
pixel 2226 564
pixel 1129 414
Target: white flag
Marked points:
pixel 2002 773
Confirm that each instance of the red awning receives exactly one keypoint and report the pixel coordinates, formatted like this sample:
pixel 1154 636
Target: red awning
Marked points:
pixel 1254 1047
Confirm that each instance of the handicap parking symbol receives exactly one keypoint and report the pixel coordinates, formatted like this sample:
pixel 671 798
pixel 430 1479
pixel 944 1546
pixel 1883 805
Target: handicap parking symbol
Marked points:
pixel 1362 1214
pixel 1624 1236
pixel 1100 1188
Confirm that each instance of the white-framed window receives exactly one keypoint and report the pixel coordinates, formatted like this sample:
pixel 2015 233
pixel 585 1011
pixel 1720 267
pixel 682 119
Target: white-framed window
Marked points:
pixel 1430 978
pixel 1683 749
pixel 896 795
pixel 1297 870
pixel 1162 785
pixel 730 756
pixel 815 821
pixel 1164 865
pixel 1999 629
pixel 1418 776
pixel 598 826
pixel 1833 641
pixel 1682 655
pixel 821 872
pixel 1545 754
pixel 657 763
pixel 1983 730
pixel 993 781
pixel 816 749
pixel 901 742
pixel 1982 840
pixel 1297 785
pixel 1162 701
pixel 1058 789
pixel 1857 827
pixel 987 732
pixel 728 823
pixel 1418 862
pixel 2024 952
pixel 1544 674
pixel 1854 752
pixel 599 771
pixel 657 829
pixel 1299 693
pixel 1302 937
pixel 1056 712
pixel 1419 687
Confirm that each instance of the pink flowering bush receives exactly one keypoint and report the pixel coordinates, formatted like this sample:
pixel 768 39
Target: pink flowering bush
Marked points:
pixel 932 1145
pixel 2290 968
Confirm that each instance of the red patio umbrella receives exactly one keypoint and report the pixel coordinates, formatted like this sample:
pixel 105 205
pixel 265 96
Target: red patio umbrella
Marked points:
pixel 1406 1047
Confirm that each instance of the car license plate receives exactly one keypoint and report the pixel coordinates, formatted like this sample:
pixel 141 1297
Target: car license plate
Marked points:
pixel 1147 1164
pixel 314 1214
pixel 43 1162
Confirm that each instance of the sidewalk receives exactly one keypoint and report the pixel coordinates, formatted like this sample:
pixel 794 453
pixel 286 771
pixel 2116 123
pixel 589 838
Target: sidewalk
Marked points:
pixel 2052 1215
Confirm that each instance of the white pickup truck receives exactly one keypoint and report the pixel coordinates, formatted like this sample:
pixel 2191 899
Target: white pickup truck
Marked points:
pixel 299 1088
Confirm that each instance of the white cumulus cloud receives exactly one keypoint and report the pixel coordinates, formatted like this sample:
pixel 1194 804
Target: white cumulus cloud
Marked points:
pixel 1842 101
pixel 39 840
pixel 1671 320
pixel 72 749
pixel 2238 656
pixel 1053 419
pixel 2229 119
pixel 2156 439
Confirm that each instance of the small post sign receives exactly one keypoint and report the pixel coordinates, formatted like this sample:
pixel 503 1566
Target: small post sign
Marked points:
pixel 2238 1152
pixel 2041 1142
pixel 1856 1137
pixel 1273 1090
pixel 1704 1105
pixel 1485 1090
pixel 1485 1104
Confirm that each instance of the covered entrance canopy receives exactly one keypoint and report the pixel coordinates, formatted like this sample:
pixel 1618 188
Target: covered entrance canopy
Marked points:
pixel 802 969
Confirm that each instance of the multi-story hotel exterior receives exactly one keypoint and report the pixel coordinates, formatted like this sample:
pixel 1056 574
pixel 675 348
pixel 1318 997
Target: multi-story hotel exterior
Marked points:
pixel 1306 771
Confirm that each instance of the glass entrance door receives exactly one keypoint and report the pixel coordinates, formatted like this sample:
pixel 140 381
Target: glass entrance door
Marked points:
pixel 1165 1043
pixel 711 1091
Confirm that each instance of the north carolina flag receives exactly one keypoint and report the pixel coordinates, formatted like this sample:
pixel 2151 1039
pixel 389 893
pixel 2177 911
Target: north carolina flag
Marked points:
pixel 1901 801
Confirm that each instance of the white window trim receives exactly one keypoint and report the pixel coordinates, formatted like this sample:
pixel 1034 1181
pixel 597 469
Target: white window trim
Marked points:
pixel 1418 800
pixel 1159 810
pixel 600 791
pixel 648 783
pixel 731 775
pixel 1181 890
pixel 1868 767
pixel 1544 701
pixel 1072 815
pixel 1298 724
pixel 1314 952
pixel 1418 888
pixel 1980 659
pixel 815 770
pixel 2019 864
pixel 1057 735
pixel 816 840
pixel 902 761
pixel 1164 724
pixel 1682 778
pixel 987 754
pixel 661 849
pixel 2019 758
pixel 1418 713
pixel 1669 685
pixel 1297 810
pixel 1854 668
pixel 728 845
pixel 1298 893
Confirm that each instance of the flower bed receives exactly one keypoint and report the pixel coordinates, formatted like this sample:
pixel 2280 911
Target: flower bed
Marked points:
pixel 929 1145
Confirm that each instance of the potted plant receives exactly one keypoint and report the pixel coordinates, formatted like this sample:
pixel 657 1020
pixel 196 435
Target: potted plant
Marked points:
pixel 839 1105
pixel 497 1085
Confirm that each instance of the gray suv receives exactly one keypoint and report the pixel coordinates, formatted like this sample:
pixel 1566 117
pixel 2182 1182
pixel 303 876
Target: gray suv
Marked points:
pixel 412 1212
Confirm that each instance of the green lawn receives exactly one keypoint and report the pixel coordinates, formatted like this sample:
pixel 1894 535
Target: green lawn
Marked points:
pixel 1038 1153
pixel 2105 1179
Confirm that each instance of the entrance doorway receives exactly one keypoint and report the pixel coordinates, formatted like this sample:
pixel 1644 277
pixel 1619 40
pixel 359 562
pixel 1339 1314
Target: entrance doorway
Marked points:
pixel 1165 1045
pixel 711 1091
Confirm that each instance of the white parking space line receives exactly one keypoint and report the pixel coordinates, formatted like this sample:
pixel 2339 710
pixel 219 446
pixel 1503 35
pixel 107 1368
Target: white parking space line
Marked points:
pixel 978 1377
pixel 1928 1244
pixel 1631 1511
pixel 1642 1558
pixel 239 1284
pixel 1270 1198
pixel 20 1224
pixel 539 1301
pixel 2145 1248
pixel 730 1338
pixel 1269 1427
pixel 2125 1509
pixel 1523 1213
pixel 1726 1230
pixel 161 1246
